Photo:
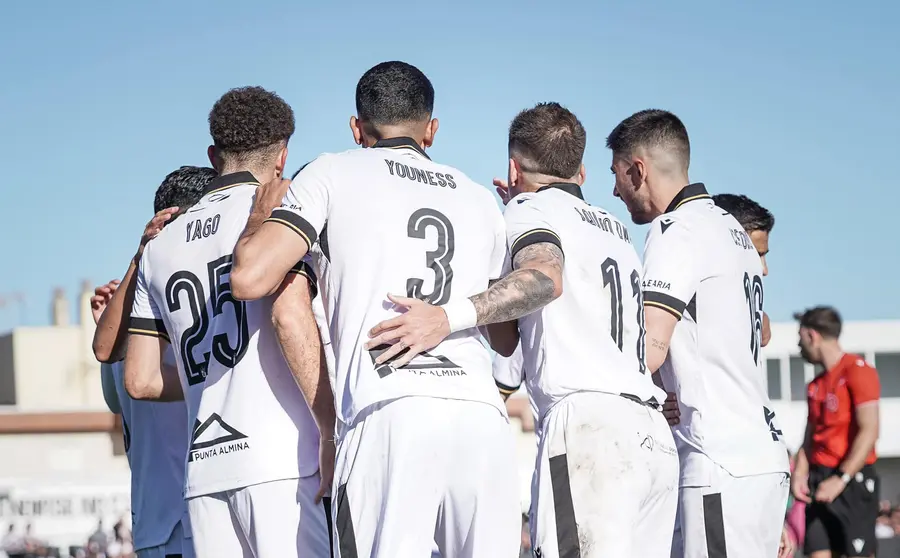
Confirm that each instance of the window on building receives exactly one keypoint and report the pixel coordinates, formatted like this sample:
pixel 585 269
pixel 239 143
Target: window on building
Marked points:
pixel 798 379
pixel 888 365
pixel 773 377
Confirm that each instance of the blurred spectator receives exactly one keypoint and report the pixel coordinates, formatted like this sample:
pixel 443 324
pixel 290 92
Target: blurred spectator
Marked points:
pixel 895 521
pixel 97 542
pixel 13 544
pixel 883 527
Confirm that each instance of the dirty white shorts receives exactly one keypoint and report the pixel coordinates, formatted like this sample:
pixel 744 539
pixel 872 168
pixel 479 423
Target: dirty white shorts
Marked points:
pixel 606 481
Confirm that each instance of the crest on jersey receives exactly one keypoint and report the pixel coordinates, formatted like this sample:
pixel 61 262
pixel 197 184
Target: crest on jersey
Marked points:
pixel 215 437
pixel 424 363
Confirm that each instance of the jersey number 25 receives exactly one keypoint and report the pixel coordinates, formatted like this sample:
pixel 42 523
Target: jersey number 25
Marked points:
pixel 185 282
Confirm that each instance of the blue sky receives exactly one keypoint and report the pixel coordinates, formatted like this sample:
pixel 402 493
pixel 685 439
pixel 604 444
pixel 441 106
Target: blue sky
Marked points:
pixel 791 103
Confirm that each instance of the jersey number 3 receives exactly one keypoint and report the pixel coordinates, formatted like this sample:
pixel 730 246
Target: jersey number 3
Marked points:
pixel 187 284
pixel 753 291
pixel 437 260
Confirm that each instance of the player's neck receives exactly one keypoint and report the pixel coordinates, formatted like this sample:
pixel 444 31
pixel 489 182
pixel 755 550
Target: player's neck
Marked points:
pixel 831 355
pixel 532 182
pixel 395 132
pixel 665 190
pixel 262 173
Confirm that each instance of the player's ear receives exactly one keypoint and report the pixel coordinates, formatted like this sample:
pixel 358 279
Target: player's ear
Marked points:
pixel 211 153
pixel 281 162
pixel 638 173
pixel 356 130
pixel 430 131
pixel 513 173
pixel 582 174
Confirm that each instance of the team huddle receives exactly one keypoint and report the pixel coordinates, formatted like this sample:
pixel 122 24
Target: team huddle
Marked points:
pixel 302 370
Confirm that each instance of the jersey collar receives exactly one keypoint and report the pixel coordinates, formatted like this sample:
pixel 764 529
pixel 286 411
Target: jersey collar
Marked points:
pixel 402 143
pixel 691 192
pixel 224 181
pixel 567 187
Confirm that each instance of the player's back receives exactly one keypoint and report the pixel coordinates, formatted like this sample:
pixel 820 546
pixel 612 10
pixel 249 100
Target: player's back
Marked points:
pixel 250 423
pixel 715 360
pixel 591 338
pixel 156 444
pixel 400 223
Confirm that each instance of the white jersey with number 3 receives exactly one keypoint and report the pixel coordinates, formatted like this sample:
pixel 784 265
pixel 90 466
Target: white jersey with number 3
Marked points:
pixel 700 266
pixel 249 421
pixel 592 337
pixel 389 220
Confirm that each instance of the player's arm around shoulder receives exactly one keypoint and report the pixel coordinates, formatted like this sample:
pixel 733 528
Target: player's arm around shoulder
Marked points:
pixel 536 279
pixel 284 223
pixel 670 280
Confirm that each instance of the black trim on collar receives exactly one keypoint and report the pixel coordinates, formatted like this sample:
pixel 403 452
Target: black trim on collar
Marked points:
pixel 691 192
pixel 567 187
pixel 401 142
pixel 228 180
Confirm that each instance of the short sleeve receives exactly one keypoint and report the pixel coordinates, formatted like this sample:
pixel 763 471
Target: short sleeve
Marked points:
pixel 526 224
pixel 863 383
pixel 306 204
pixel 304 268
pixel 671 274
pixel 509 372
pixel 146 319
pixel 499 256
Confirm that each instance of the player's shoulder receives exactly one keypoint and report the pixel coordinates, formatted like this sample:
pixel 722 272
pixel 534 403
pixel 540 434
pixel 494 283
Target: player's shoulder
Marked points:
pixel 672 224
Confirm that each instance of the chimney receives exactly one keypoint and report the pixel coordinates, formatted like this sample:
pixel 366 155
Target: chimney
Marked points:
pixel 84 305
pixel 60 308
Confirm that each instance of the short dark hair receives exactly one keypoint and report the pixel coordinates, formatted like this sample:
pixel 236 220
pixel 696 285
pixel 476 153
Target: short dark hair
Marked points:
pixel 394 93
pixel 648 129
pixel 550 139
pixel 823 319
pixel 182 188
pixel 751 215
pixel 248 120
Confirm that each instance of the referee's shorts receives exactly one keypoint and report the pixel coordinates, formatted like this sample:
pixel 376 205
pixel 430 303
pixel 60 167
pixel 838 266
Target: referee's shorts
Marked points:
pixel 845 526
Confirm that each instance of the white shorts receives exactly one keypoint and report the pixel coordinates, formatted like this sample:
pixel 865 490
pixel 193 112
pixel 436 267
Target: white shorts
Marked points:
pixel 417 471
pixel 737 517
pixel 177 546
pixel 606 482
pixel 275 519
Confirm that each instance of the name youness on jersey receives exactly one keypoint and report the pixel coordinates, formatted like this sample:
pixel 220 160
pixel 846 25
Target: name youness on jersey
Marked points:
pixel 418 175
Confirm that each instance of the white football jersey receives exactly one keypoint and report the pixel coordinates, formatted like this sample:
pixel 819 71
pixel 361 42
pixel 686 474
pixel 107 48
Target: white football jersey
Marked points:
pixel 156 444
pixel 701 266
pixel 250 422
pixel 389 220
pixel 592 337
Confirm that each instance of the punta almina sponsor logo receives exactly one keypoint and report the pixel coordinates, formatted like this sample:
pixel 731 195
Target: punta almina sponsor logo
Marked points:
pixel 214 437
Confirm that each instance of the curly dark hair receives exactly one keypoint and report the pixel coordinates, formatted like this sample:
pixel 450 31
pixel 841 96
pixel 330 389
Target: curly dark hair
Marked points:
pixel 250 119
pixel 182 188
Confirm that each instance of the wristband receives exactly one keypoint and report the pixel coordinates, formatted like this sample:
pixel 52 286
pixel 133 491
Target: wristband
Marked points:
pixel 461 314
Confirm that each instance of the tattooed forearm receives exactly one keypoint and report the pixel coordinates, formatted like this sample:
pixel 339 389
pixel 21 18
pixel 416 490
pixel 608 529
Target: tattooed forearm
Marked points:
pixel 657 344
pixel 535 283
